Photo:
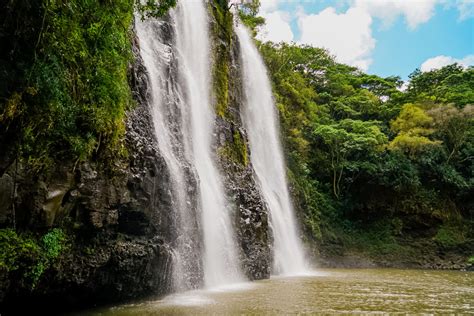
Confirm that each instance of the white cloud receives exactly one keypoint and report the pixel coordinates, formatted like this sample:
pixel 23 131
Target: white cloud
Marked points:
pixel 347 35
pixel 465 8
pixel 404 86
pixel 442 60
pixel 415 12
pixel 277 27
pixel 267 6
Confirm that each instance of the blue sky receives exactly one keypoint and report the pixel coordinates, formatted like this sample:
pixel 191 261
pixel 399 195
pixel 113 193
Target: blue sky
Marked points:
pixel 383 37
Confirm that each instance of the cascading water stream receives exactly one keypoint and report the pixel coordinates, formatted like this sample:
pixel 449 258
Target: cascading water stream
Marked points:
pixel 221 261
pixel 157 57
pixel 260 120
pixel 176 54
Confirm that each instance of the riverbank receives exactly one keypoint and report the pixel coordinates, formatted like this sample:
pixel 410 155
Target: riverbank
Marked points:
pixel 402 253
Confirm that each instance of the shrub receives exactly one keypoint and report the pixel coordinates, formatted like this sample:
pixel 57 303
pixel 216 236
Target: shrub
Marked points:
pixel 29 255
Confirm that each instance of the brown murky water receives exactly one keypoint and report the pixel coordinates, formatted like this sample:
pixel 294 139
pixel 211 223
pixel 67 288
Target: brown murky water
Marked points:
pixel 327 291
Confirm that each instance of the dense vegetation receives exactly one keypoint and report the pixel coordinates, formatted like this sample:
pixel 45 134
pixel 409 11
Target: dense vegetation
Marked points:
pixel 27 256
pixel 376 166
pixel 63 77
pixel 372 165
pixel 64 91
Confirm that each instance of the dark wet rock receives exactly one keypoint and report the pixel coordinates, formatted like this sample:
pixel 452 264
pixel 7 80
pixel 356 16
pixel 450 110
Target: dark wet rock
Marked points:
pixel 8 147
pixel 33 201
pixel 251 215
pixel 119 219
pixel 251 212
pixel 4 283
pixel 123 270
pixel 6 191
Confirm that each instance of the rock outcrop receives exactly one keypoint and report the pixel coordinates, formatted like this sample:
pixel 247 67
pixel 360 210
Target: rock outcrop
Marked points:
pixel 120 219
pixel 252 212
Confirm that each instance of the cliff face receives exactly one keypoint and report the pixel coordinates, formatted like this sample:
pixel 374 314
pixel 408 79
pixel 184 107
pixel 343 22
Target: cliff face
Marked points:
pixel 120 220
pixel 252 212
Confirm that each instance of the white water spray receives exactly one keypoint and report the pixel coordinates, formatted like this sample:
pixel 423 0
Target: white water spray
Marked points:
pixel 157 55
pixel 184 119
pixel 261 122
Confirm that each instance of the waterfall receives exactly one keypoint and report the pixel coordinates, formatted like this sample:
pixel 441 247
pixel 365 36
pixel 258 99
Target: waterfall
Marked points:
pixel 176 54
pixel 163 99
pixel 260 120
pixel 221 262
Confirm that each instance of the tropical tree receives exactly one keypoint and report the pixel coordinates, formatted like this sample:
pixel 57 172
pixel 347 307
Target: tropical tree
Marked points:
pixel 454 126
pixel 346 140
pixel 413 126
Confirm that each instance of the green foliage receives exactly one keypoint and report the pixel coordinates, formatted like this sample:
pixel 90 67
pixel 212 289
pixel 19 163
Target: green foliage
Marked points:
pixel 360 150
pixel 413 125
pixel 29 254
pixel 450 84
pixel 348 138
pixel 153 8
pixel 53 243
pixel 412 117
pixel 248 13
pixel 16 249
pixel 73 91
pixel 451 234
pixel 454 126
pixel 236 150
pixel 376 238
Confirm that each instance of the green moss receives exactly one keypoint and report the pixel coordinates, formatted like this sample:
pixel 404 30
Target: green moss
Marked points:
pixel 222 33
pixel 89 251
pixel 236 150
pixel 240 148
pixel 221 85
